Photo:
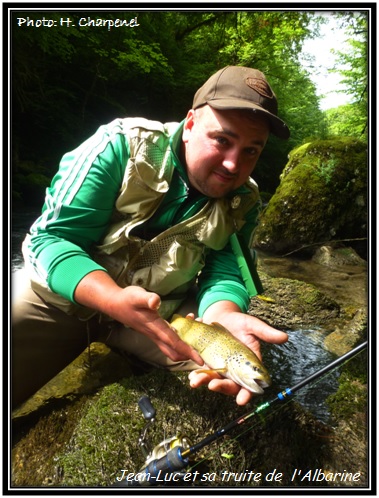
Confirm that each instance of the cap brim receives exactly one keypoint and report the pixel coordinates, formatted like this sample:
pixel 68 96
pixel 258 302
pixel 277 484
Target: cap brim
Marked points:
pixel 277 126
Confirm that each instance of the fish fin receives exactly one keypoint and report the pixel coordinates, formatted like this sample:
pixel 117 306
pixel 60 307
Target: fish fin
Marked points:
pixel 211 370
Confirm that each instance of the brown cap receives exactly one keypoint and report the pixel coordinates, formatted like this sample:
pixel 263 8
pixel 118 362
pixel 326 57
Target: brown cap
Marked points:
pixel 237 87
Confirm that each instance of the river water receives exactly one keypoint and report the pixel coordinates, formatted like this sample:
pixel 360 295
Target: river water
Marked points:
pixel 297 359
pixel 21 223
pixel 289 363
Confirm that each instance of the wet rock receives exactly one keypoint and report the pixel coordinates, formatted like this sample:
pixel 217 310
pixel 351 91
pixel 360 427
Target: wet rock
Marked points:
pixel 344 284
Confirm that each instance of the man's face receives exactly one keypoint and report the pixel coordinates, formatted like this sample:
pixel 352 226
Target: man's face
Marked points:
pixel 222 148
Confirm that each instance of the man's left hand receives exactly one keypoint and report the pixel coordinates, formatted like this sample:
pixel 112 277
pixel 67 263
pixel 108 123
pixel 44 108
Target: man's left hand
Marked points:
pixel 249 330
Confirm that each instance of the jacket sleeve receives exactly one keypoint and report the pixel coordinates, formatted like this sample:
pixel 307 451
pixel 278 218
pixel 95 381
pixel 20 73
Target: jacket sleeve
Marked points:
pixel 77 209
pixel 221 279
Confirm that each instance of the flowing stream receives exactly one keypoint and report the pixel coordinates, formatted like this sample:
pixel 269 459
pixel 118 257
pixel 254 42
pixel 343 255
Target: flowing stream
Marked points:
pixel 294 361
pixel 289 363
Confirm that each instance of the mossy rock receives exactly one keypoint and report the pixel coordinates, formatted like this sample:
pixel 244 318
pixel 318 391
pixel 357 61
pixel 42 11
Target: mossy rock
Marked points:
pixel 104 440
pixel 348 409
pixel 322 196
pixel 101 437
pixel 289 304
pixel 340 341
pixel 96 366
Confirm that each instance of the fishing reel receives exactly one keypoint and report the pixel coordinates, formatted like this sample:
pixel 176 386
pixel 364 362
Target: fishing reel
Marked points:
pixel 165 459
pixel 161 449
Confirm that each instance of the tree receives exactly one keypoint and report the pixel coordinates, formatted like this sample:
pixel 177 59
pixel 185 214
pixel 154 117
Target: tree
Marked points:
pixel 68 81
pixel 352 65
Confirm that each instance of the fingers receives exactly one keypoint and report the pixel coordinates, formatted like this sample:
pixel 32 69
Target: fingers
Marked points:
pixel 140 309
pixel 154 301
pixel 267 333
pixel 198 379
pixel 191 316
pixel 141 298
pixel 178 350
pixel 243 397
pixel 221 385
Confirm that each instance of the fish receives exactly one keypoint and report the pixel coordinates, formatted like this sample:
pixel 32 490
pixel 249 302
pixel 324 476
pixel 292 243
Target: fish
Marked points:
pixel 223 353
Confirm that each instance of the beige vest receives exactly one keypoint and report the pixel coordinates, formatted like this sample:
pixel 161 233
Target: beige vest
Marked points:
pixel 170 262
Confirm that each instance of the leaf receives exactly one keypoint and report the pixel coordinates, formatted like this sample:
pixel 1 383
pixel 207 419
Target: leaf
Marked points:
pixel 227 455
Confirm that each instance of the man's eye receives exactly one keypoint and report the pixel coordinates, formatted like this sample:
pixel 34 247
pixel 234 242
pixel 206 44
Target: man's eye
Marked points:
pixel 252 152
pixel 221 140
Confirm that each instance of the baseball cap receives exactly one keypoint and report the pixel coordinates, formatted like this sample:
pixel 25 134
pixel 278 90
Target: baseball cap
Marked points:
pixel 238 87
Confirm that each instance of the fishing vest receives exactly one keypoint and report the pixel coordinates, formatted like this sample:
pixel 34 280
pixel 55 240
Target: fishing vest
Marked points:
pixel 169 263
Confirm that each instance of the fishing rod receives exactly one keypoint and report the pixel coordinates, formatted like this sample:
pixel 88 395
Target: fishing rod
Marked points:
pixel 172 455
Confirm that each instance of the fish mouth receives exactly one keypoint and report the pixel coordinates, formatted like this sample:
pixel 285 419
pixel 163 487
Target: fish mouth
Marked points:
pixel 257 386
pixel 262 383
pixel 254 385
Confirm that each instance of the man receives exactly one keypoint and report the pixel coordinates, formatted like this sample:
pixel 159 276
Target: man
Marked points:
pixel 134 218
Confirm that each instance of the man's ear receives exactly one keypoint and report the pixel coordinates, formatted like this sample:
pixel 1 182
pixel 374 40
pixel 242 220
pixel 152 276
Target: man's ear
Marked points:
pixel 188 124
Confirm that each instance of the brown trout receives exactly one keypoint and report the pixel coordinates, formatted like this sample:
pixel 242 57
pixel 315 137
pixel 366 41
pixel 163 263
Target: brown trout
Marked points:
pixel 223 353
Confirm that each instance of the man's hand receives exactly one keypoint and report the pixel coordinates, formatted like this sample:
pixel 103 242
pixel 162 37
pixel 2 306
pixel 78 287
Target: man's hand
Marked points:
pixel 134 307
pixel 249 330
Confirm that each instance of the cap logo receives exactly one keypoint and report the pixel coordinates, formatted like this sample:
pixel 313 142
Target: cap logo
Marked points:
pixel 261 86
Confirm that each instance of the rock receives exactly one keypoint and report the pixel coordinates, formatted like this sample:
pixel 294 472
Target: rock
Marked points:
pixel 322 196
pixel 105 437
pixel 335 257
pixel 96 366
pixel 293 305
pixel 340 341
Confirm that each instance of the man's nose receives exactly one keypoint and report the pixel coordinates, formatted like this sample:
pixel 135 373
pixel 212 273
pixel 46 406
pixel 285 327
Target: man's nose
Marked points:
pixel 231 161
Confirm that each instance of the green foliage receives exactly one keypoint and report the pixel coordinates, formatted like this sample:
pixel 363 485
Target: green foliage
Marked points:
pixel 346 120
pixel 68 81
pixel 143 58
pixel 352 119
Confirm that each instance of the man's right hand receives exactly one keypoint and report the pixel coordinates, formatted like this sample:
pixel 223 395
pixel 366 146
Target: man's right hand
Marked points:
pixel 136 308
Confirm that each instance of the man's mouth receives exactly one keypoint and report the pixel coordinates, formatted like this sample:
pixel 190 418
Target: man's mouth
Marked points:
pixel 224 177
